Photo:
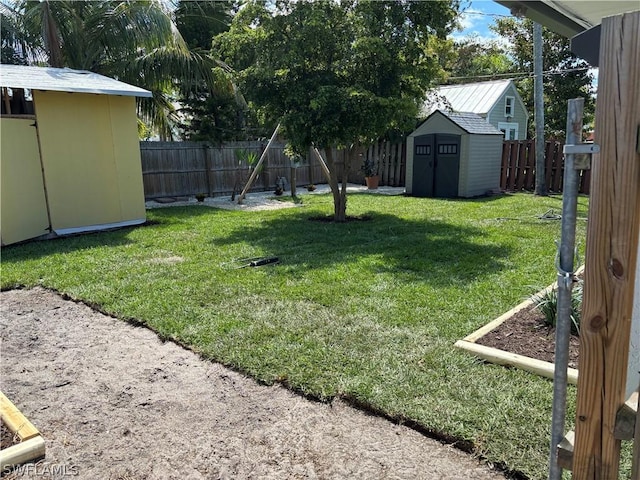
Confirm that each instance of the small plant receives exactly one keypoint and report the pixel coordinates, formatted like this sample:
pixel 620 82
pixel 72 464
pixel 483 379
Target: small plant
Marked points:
pixel 369 168
pixel 311 187
pixel 200 197
pixel 547 303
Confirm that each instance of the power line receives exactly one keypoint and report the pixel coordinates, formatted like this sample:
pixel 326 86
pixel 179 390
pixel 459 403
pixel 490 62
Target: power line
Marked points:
pixel 523 74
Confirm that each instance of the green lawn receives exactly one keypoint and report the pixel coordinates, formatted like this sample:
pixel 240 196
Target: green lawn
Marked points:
pixel 369 310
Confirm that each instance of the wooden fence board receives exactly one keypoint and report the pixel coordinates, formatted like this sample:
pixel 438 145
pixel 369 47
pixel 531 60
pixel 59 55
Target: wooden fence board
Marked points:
pixel 518 167
pixel 172 169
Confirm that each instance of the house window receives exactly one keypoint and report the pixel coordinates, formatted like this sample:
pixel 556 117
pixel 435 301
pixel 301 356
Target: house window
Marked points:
pixel 509 103
pixel 447 148
pixel 510 130
pixel 423 149
pixel 16 102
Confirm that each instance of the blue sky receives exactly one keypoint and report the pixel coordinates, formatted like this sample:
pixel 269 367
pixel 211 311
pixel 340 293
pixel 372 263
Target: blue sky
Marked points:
pixel 479 14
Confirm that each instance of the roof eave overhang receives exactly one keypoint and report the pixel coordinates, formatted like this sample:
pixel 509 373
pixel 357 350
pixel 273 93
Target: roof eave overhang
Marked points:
pixel 545 15
pixel 585 39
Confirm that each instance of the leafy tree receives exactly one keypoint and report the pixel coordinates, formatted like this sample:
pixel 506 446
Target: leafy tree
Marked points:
pixel 474 60
pixel 567 76
pixel 201 20
pixel 336 74
pixel 211 114
pixel 133 41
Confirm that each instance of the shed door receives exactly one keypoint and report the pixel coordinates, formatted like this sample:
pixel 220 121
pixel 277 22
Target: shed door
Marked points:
pixel 423 165
pixel 447 165
pixel 23 202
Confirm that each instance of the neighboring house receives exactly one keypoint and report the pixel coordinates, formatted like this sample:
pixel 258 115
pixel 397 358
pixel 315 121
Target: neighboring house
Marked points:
pixel 70 153
pixel 498 102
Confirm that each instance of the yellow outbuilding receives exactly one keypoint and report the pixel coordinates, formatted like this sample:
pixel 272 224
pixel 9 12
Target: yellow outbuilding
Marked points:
pixel 69 153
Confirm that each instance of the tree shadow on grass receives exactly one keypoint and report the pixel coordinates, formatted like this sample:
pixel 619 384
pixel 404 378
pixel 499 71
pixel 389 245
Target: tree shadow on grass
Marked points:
pixel 160 218
pixel 429 251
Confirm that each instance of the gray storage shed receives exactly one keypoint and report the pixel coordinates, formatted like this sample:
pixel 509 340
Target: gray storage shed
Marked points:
pixel 453 154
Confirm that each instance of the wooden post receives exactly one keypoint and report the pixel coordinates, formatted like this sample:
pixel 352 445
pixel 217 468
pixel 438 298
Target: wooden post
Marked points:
pixel 323 164
pixel 207 167
pixel 612 247
pixel 254 174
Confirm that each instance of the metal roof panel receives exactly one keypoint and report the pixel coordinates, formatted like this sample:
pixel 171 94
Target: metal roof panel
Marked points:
pixel 478 98
pixel 65 80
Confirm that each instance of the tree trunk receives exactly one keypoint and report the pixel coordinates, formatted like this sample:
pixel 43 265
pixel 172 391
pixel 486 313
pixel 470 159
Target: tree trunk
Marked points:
pixel 339 197
pixel 293 180
pixel 51 37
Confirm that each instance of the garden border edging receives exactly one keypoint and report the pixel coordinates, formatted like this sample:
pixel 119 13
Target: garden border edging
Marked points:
pixel 502 357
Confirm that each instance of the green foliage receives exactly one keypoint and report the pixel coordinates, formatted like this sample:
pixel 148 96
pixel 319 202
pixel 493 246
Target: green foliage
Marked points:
pixel 560 85
pixel 369 168
pixel 474 60
pixel 201 20
pixel 133 41
pixel 213 113
pixel 336 73
pixel 547 303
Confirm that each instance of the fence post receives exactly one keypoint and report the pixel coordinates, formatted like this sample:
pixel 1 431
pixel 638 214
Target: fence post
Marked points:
pixel 207 167
pixel 612 248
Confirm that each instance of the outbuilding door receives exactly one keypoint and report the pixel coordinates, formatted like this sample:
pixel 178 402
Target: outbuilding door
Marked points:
pixel 23 200
pixel 436 165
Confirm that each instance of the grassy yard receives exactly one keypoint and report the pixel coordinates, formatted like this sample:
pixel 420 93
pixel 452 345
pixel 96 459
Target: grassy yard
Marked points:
pixel 369 310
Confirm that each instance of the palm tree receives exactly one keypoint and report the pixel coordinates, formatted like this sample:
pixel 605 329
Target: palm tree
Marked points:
pixel 136 42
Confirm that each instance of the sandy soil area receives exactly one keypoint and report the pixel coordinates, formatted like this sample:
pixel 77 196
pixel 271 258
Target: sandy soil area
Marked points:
pixel 114 402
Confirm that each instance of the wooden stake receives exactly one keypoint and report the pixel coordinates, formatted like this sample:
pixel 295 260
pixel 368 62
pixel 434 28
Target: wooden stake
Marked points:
pixel 323 164
pixel 254 174
pixel 612 246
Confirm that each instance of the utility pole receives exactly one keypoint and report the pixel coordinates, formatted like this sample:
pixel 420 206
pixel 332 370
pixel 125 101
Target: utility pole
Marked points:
pixel 538 100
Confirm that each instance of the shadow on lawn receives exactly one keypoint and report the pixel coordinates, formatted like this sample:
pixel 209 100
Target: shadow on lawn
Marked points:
pixel 430 251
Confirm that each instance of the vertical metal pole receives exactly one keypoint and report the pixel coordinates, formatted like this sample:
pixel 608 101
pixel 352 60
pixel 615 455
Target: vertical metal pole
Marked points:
pixel 538 100
pixel 565 284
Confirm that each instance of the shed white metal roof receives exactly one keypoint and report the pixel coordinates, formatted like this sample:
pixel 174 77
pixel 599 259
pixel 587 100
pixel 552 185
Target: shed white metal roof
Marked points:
pixel 65 80
pixel 477 98
pixel 470 122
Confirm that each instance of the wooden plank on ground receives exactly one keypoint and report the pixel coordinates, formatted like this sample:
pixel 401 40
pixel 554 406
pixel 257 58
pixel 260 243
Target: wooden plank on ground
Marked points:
pixel 612 246
pixel 15 420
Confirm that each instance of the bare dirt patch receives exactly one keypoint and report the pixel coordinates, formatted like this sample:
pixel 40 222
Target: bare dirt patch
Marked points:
pixel 112 402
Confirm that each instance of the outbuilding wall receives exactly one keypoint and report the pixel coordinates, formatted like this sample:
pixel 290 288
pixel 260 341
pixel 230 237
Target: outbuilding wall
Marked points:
pixel 91 159
pixel 480 156
pixel 482 170
pixel 435 124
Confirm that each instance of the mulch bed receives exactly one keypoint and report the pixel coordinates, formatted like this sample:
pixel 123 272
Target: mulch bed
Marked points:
pixel 526 334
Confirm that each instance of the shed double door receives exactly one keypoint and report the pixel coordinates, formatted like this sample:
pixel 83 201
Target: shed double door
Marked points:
pixel 436 165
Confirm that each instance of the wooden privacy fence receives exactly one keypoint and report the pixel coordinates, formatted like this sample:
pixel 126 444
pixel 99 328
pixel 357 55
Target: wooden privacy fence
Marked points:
pixel 519 161
pixel 173 169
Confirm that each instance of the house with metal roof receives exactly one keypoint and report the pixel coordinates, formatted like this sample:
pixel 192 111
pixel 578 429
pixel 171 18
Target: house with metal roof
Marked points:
pixel 453 155
pixel 70 153
pixel 498 102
